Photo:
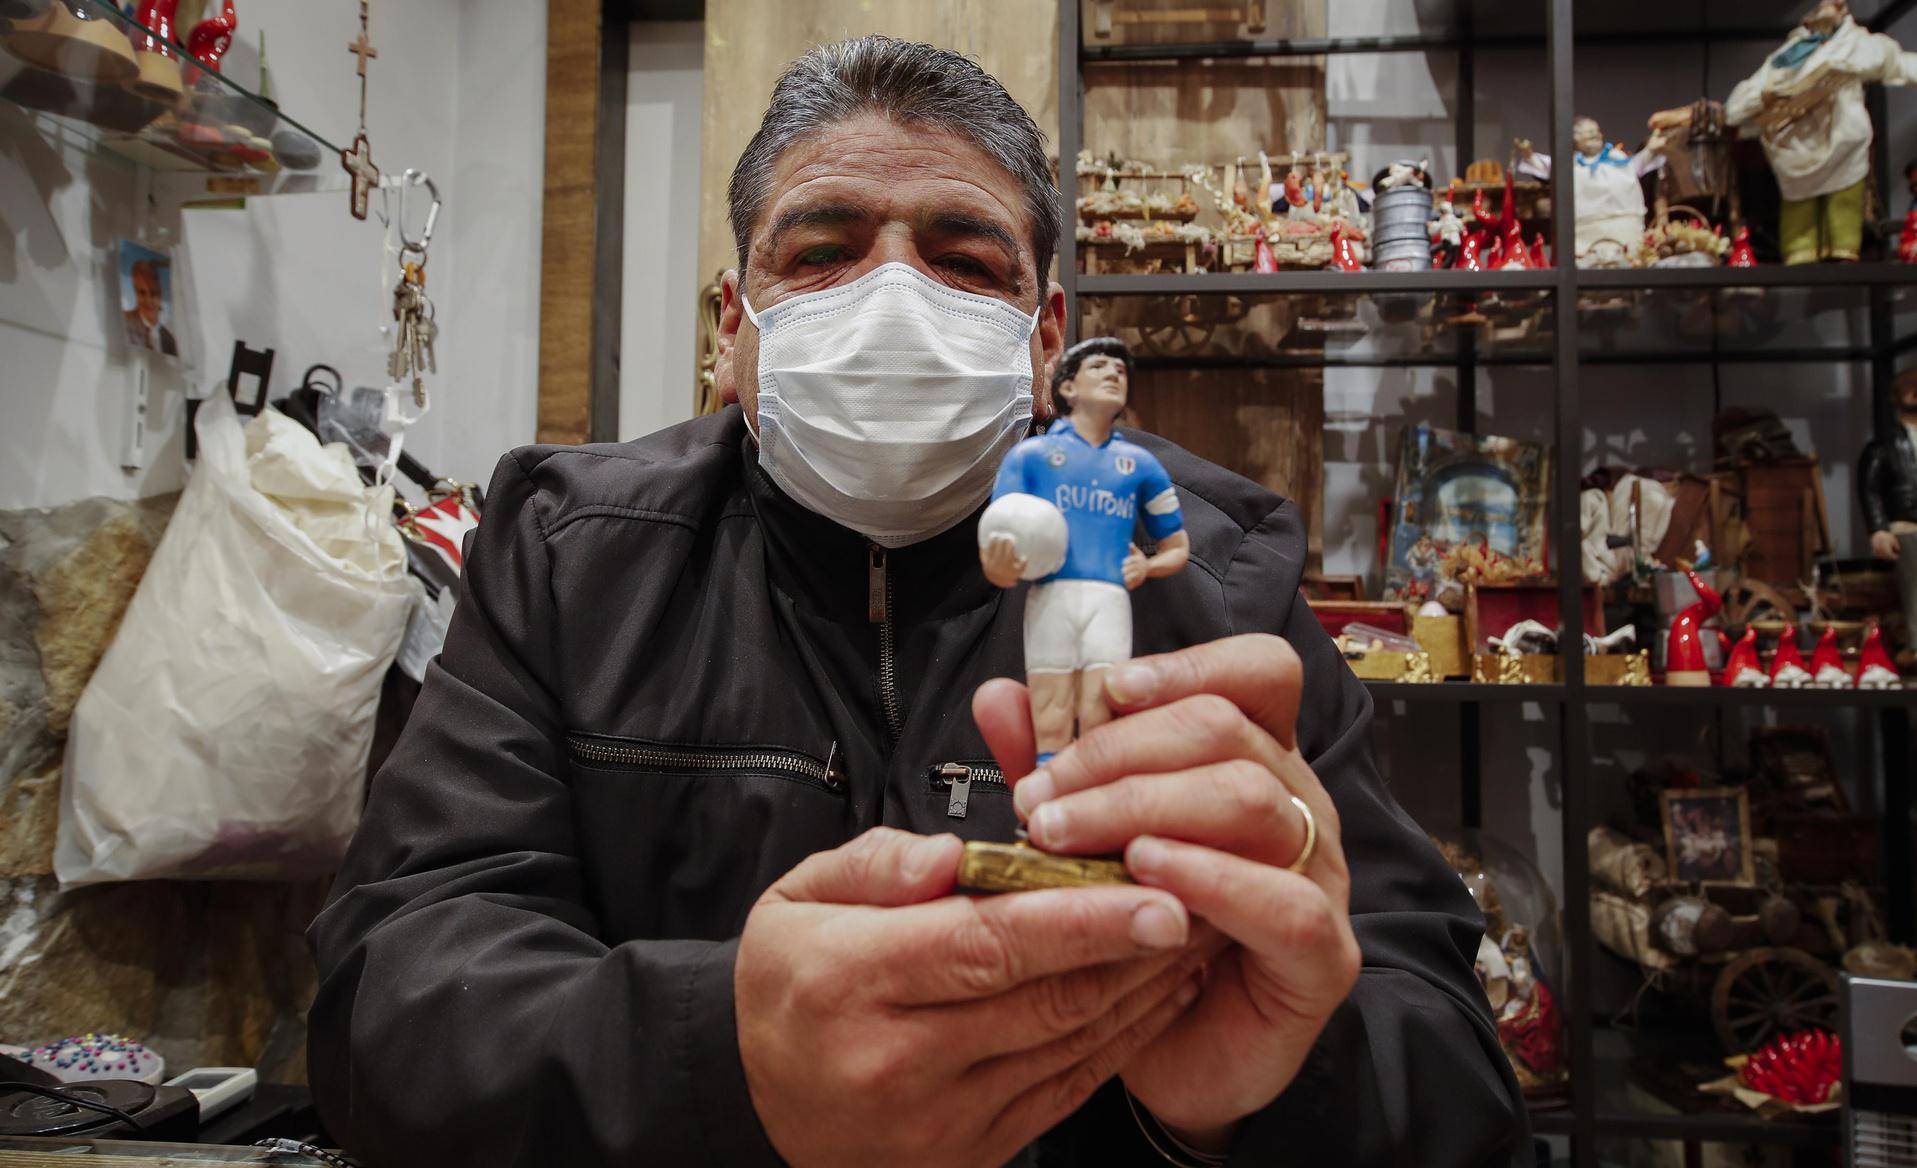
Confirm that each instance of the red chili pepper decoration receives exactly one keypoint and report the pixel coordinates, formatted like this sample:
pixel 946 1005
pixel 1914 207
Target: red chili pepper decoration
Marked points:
pixel 1797 1068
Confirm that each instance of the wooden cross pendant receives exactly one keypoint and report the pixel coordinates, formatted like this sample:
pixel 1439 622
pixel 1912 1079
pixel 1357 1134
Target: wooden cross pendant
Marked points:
pixel 362 48
pixel 358 162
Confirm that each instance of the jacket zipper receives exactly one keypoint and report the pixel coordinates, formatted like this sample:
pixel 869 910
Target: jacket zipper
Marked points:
pixel 958 777
pixel 632 754
pixel 878 610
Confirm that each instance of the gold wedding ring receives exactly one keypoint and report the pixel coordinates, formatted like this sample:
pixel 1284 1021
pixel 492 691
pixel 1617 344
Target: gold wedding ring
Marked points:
pixel 1311 836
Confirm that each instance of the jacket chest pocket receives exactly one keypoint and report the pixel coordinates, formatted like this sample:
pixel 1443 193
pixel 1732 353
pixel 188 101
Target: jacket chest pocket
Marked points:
pixel 679 839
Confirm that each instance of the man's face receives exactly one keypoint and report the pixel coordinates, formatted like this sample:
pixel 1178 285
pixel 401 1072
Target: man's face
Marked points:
pixel 1827 16
pixel 868 192
pixel 1099 387
pixel 1588 138
pixel 146 294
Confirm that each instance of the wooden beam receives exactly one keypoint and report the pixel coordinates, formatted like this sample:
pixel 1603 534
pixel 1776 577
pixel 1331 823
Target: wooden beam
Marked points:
pixel 581 226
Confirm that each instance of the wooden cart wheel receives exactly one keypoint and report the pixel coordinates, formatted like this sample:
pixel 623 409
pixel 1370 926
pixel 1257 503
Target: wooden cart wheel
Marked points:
pixel 1190 326
pixel 1767 992
pixel 1753 600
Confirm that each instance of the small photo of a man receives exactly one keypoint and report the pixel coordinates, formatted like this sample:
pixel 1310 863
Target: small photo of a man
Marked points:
pixel 146 298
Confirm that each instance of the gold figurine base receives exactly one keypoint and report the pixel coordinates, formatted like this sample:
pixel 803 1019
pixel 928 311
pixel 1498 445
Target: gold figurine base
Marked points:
pixel 990 867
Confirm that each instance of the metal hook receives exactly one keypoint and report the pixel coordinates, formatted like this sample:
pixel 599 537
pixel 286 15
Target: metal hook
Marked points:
pixel 411 179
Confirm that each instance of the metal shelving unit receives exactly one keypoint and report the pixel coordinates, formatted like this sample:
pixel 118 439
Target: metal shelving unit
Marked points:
pixel 1880 289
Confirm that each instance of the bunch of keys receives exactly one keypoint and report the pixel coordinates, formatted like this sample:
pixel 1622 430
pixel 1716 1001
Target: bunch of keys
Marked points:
pixel 415 328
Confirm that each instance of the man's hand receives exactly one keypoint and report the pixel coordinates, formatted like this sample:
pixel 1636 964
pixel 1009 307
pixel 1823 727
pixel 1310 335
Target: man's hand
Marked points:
pixel 1001 561
pixel 1883 545
pixel 1194 781
pixel 878 1025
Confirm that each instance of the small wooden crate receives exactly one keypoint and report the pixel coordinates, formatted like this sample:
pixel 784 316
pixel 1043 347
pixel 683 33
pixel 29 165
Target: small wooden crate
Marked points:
pixel 1499 669
pixel 1618 668
pixel 1784 510
pixel 1443 638
pixel 1384 665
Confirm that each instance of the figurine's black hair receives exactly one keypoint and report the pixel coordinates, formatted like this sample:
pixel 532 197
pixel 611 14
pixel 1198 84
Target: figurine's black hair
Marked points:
pixel 1075 356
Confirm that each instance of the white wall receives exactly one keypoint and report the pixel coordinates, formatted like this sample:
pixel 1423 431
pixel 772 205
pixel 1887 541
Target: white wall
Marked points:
pixel 665 87
pixel 458 90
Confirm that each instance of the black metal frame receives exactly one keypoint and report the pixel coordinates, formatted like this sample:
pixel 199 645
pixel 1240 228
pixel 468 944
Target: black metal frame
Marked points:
pixel 1584 1122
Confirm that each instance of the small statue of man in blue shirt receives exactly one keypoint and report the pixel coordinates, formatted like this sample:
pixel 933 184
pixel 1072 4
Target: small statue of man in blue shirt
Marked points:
pixel 1078 620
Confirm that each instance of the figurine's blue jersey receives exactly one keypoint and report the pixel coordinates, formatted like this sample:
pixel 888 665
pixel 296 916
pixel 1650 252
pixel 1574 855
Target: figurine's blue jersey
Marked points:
pixel 1101 489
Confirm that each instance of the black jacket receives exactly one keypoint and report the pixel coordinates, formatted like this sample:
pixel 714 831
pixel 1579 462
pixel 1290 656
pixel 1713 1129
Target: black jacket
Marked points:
pixel 1887 480
pixel 528 956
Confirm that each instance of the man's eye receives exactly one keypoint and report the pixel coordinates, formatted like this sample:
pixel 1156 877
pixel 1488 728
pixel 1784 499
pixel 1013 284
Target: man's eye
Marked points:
pixel 966 265
pixel 825 253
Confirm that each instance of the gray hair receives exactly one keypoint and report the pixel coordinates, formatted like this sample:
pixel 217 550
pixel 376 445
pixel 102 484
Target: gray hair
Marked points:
pixel 912 84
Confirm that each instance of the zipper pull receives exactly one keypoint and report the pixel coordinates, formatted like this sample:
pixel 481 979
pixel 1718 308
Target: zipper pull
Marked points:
pixel 960 778
pixel 875 584
pixel 833 778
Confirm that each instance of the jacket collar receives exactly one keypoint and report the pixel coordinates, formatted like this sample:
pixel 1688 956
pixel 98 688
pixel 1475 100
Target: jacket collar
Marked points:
pixel 827 568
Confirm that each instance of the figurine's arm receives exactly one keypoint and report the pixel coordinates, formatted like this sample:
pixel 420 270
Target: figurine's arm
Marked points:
pixel 1746 100
pixel 1164 523
pixel 1891 64
pixel 999 557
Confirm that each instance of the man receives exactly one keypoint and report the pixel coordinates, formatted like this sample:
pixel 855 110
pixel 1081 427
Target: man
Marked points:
pixel 1807 101
pixel 619 896
pixel 1887 486
pixel 143 327
pixel 1078 620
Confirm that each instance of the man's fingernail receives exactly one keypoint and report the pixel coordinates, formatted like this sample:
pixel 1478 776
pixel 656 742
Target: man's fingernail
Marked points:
pixel 1131 684
pixel 1187 993
pixel 1156 926
pixel 1049 826
pixel 919 857
pixel 1032 790
pixel 1145 857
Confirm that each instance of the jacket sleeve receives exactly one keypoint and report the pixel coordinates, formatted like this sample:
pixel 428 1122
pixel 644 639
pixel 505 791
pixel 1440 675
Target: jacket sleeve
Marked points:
pixel 1409 1069
pixel 1873 485
pixel 467 1011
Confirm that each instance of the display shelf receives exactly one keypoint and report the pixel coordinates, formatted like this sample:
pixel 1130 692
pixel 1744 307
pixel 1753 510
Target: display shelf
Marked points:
pixel 1558 1121
pixel 1462 691
pixel 1761 276
pixel 213 138
pixel 1723 695
pixel 1646 1089
pixel 1295 283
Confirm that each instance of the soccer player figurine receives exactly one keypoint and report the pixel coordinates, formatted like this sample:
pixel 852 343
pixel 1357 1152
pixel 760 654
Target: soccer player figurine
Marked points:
pixel 1062 515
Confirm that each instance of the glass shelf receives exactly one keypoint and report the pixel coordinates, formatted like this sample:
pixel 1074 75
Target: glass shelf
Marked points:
pixel 83 83
pixel 1321 319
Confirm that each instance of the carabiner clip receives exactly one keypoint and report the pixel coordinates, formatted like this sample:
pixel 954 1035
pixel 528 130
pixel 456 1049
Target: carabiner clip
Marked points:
pixel 411 179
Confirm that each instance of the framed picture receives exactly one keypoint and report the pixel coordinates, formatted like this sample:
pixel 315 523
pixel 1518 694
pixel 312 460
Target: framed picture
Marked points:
pixel 146 299
pixel 1468 508
pixel 1707 833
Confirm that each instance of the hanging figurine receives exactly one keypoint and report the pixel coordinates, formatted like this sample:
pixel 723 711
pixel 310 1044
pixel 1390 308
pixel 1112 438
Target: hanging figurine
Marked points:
pixel 1807 104
pixel 1062 515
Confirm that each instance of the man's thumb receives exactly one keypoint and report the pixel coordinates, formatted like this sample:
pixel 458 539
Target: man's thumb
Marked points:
pixel 885 867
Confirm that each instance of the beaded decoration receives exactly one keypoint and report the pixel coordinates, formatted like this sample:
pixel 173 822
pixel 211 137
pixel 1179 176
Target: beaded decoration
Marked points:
pixel 97 1056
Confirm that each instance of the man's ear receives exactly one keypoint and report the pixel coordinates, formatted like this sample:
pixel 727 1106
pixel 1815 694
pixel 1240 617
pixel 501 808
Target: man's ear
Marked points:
pixel 730 314
pixel 1051 346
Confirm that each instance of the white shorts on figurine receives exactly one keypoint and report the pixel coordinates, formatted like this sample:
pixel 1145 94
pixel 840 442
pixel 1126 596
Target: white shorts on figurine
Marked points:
pixel 1077 624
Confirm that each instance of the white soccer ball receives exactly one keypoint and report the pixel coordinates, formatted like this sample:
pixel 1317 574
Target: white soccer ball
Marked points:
pixel 1037 529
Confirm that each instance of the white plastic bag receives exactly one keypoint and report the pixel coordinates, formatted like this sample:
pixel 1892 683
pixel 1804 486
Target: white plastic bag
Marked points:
pixel 225 732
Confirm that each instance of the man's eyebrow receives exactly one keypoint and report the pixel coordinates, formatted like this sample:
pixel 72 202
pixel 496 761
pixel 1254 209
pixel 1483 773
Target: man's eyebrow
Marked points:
pixel 963 224
pixel 818 215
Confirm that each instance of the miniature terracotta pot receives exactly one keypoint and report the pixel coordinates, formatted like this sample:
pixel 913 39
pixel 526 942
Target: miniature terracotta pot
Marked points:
pixel 59 41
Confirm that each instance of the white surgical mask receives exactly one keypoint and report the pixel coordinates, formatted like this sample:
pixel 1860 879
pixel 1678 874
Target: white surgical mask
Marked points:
pixel 886 405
